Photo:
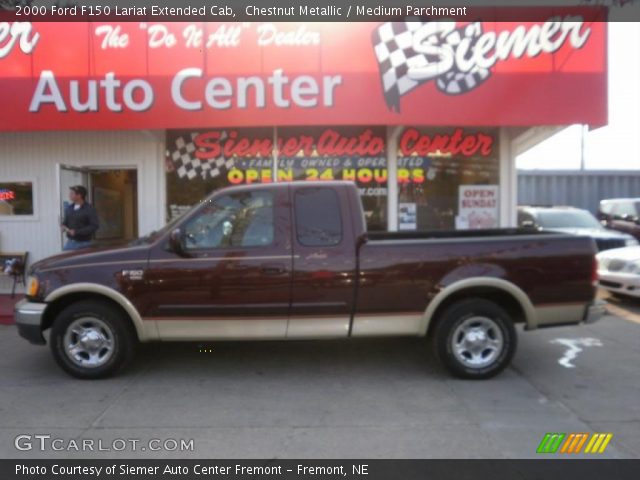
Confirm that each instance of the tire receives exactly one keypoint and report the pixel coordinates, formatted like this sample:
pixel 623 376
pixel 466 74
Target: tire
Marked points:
pixel 108 340
pixel 464 329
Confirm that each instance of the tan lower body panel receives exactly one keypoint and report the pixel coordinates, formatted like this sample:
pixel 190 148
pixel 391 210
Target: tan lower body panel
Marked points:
pixel 559 314
pixel 318 327
pixel 387 324
pixel 221 329
pixel 310 327
pixel 305 327
pixel 251 328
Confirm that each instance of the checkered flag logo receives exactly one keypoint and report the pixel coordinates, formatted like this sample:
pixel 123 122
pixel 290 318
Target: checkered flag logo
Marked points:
pixel 187 165
pixel 400 50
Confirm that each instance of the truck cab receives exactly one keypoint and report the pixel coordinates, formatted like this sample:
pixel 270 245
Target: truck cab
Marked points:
pixel 258 261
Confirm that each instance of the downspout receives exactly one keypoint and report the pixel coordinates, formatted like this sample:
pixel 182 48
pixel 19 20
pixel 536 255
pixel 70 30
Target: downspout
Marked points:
pixel 393 133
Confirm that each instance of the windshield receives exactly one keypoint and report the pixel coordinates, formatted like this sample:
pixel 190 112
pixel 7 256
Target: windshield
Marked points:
pixel 158 233
pixel 568 219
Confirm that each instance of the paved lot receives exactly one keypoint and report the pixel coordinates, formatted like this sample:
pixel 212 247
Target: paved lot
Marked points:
pixel 373 398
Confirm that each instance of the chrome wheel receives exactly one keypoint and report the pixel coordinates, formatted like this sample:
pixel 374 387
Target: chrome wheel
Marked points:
pixel 477 342
pixel 88 342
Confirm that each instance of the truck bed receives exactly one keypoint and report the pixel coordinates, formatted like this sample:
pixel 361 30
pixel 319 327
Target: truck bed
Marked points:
pixel 411 268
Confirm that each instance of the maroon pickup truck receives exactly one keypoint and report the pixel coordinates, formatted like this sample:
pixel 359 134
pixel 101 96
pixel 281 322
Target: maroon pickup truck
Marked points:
pixel 294 261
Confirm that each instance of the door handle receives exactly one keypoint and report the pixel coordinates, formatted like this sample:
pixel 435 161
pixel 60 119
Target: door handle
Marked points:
pixel 273 269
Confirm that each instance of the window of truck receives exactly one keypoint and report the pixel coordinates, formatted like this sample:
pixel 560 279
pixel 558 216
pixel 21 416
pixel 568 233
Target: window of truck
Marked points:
pixel 243 219
pixel 318 217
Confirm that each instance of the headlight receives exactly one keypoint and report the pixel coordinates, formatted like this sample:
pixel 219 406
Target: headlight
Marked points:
pixel 33 285
pixel 632 267
pixel 631 242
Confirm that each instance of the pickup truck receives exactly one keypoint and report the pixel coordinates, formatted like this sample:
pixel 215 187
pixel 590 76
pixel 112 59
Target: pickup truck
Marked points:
pixel 294 261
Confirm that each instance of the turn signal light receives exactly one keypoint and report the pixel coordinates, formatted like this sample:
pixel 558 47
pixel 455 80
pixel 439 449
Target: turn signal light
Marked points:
pixel 32 286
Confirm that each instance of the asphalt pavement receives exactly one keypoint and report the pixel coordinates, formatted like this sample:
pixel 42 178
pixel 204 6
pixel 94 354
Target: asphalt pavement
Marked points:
pixel 382 398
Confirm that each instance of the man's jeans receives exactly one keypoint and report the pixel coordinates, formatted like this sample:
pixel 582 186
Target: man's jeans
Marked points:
pixel 76 245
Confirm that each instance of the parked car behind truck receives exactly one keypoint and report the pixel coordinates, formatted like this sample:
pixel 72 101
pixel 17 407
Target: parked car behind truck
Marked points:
pixel 294 261
pixel 575 221
pixel 621 214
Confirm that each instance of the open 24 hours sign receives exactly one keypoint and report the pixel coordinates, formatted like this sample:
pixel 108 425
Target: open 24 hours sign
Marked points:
pixel 358 154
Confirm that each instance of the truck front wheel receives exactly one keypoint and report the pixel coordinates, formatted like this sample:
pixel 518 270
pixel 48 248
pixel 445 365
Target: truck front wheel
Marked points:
pixel 475 339
pixel 91 339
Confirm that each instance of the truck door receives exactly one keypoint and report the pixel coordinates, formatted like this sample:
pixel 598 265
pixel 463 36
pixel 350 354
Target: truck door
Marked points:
pixel 324 263
pixel 235 279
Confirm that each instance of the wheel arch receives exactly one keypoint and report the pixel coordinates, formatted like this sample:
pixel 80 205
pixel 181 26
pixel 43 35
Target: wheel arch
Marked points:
pixel 68 294
pixel 506 294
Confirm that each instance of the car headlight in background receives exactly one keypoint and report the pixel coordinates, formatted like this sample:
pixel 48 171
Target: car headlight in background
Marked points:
pixel 631 242
pixel 33 285
pixel 632 267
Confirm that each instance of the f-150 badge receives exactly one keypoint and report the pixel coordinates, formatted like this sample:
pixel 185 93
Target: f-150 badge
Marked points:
pixel 133 274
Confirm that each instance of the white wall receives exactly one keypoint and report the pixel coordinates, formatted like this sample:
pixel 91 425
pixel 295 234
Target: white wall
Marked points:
pixel 33 157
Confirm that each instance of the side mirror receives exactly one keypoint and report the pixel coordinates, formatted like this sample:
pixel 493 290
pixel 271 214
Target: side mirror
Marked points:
pixel 176 242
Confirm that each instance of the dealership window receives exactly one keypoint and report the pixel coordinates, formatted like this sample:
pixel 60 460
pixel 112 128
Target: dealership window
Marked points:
pixel 244 219
pixel 448 178
pixel 199 162
pixel 16 199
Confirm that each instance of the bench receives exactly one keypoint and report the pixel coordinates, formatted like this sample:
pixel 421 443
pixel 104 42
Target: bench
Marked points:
pixel 14 265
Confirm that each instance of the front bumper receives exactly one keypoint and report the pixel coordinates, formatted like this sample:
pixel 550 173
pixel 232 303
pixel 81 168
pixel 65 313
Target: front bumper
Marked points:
pixel 623 283
pixel 28 317
pixel 595 311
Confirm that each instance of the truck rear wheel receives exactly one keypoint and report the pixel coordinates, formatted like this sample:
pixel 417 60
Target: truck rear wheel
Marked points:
pixel 475 339
pixel 91 340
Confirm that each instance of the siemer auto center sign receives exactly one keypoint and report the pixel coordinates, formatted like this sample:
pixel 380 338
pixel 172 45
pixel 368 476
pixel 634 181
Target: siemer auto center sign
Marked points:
pixel 169 75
